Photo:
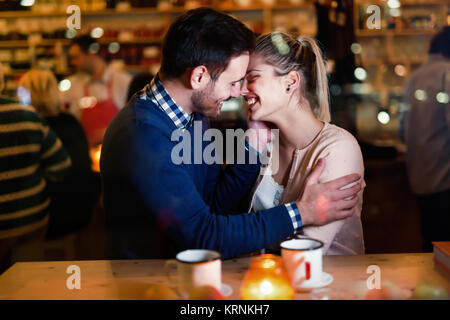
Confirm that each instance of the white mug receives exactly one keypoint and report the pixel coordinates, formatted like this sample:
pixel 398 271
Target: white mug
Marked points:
pixel 302 258
pixel 196 267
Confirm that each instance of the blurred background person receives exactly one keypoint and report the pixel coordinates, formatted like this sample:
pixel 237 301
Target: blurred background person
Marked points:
pixel 74 198
pixel 31 155
pixel 97 91
pixel 138 82
pixel 426 131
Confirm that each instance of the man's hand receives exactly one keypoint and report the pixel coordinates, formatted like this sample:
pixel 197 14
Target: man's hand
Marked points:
pixel 259 136
pixel 322 203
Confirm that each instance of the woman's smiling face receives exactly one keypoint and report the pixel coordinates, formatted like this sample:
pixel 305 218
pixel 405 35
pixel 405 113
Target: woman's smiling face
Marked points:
pixel 263 90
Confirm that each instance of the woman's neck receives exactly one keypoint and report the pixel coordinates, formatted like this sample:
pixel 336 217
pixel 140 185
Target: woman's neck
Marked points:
pixel 298 127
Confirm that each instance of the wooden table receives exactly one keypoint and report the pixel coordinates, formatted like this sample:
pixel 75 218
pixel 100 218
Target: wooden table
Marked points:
pixel 128 279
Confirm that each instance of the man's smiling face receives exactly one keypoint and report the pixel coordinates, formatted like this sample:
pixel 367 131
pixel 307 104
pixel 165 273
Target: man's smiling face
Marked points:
pixel 228 85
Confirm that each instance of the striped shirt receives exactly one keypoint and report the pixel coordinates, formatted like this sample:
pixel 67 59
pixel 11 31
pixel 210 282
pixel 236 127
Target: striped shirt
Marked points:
pixel 30 153
pixel 156 92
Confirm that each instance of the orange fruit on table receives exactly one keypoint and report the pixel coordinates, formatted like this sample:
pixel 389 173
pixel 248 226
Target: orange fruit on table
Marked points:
pixel 388 291
pixel 160 292
pixel 205 293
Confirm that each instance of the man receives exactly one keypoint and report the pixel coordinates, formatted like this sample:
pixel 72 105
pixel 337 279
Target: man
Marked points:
pixel 97 92
pixel 30 155
pixel 155 207
pixel 425 128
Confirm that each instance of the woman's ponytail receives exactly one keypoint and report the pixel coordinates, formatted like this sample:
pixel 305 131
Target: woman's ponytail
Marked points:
pixel 317 78
pixel 304 56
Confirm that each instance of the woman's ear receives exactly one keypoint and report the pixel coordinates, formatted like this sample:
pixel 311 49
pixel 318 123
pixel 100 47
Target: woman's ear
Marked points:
pixel 199 78
pixel 291 81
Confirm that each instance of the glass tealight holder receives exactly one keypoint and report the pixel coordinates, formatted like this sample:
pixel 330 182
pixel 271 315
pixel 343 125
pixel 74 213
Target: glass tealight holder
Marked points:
pixel 266 279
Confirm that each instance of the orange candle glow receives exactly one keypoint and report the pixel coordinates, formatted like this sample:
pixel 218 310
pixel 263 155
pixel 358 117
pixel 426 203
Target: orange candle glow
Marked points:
pixel 95 157
pixel 266 279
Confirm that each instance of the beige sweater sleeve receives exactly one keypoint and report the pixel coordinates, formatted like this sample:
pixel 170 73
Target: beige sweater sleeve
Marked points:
pixel 343 156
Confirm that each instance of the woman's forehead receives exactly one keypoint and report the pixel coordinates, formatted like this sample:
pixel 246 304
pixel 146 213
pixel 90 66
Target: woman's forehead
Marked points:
pixel 257 63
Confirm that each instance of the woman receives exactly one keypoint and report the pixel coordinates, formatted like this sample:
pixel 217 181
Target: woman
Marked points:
pixel 286 86
pixel 72 199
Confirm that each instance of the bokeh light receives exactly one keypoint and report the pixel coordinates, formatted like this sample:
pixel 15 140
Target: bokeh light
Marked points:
pixel 88 102
pixel 70 34
pixel 400 70
pixel 395 12
pixel 94 48
pixel 97 32
pixel 360 74
pixel 26 3
pixel 442 97
pixel 393 4
pixel 113 47
pixel 64 85
pixel 356 48
pixel 383 117
pixel 279 43
pixel 420 95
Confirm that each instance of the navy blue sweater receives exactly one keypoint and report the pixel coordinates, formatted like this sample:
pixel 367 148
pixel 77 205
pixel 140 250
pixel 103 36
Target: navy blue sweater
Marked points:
pixel 155 208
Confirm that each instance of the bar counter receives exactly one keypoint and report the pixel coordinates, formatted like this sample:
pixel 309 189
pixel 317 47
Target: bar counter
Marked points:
pixel 128 279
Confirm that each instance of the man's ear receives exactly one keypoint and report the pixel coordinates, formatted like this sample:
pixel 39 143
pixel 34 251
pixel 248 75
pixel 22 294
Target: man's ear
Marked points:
pixel 199 77
pixel 291 81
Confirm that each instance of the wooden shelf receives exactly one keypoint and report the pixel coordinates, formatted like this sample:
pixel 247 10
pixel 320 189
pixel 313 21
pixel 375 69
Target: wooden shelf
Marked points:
pixel 371 33
pixel 152 40
pixel 413 32
pixel 52 42
pixel 18 72
pixel 392 60
pixel 26 43
pixel 403 3
pixel 260 7
pixel 33 14
pixel 391 32
pixel 138 11
pixel 390 36
pixel 137 68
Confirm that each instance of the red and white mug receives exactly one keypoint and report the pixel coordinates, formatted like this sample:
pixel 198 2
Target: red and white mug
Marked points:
pixel 302 258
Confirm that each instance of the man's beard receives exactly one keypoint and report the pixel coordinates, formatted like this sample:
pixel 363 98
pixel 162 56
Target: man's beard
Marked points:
pixel 203 102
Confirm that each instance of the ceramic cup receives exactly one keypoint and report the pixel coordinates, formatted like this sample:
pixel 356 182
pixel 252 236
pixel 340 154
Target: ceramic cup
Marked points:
pixel 302 258
pixel 195 267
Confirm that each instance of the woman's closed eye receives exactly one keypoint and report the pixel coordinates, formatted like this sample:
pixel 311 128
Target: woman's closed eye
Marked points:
pixel 252 78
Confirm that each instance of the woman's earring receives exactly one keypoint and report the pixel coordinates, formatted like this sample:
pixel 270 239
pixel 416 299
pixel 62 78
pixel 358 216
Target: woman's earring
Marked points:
pixel 288 89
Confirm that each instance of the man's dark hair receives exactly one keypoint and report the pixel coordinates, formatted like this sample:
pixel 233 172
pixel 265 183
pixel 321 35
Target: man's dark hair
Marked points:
pixel 440 44
pixel 84 42
pixel 203 37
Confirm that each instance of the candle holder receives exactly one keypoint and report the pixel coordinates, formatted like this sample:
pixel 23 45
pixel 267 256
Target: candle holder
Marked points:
pixel 266 279
pixel 95 157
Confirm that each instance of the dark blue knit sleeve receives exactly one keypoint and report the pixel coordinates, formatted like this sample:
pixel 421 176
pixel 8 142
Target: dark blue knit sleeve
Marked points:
pixel 170 196
pixel 226 188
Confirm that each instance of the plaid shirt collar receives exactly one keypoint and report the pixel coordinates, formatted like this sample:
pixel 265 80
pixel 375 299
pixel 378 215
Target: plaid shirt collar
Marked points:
pixel 156 92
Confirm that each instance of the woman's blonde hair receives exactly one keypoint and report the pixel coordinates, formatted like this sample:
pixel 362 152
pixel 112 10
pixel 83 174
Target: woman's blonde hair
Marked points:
pixel 44 93
pixel 287 54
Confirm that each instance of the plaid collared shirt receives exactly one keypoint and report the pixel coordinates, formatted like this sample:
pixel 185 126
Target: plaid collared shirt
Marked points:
pixel 156 92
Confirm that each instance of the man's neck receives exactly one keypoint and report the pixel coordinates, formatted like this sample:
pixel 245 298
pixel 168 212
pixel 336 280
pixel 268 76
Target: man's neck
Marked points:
pixel 178 92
